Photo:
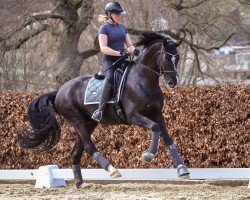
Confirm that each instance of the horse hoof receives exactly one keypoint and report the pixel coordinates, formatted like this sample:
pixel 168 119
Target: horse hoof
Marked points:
pixel 183 171
pixel 84 185
pixel 115 174
pixel 185 177
pixel 147 157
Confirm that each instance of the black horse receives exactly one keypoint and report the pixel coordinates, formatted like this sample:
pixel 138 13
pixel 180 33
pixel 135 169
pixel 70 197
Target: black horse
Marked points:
pixel 142 103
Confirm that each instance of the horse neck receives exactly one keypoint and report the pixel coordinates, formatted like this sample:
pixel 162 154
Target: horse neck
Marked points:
pixel 147 64
pixel 150 55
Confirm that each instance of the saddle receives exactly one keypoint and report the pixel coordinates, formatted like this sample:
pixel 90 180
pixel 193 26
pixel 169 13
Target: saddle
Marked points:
pixel 95 84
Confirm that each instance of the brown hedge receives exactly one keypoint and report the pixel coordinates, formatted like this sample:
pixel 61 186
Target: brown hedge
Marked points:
pixel 209 124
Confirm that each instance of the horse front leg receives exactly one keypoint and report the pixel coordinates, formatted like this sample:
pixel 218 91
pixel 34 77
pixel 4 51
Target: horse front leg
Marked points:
pixel 177 161
pixel 142 121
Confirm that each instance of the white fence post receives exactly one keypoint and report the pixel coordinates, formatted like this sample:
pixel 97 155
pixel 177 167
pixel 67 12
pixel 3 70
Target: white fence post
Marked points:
pixel 44 177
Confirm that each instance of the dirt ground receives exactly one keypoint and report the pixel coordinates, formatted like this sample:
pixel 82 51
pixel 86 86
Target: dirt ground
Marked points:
pixel 207 190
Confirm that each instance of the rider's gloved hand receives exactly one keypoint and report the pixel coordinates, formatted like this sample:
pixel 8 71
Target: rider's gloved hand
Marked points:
pixel 124 54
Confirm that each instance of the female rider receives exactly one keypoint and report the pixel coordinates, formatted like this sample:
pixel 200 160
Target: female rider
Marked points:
pixel 113 37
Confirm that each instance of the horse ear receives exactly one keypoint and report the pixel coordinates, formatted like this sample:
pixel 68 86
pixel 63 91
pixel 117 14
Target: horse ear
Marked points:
pixel 179 43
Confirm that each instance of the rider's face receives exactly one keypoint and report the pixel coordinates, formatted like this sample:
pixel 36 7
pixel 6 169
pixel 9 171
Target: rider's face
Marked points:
pixel 116 17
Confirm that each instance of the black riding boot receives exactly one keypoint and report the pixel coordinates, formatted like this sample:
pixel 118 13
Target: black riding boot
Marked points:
pixel 97 115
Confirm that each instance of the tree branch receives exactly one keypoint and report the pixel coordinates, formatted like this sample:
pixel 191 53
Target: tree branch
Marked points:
pixel 86 16
pixel 192 44
pixel 75 4
pixel 244 2
pixel 29 20
pixel 10 45
pixel 45 15
pixel 179 6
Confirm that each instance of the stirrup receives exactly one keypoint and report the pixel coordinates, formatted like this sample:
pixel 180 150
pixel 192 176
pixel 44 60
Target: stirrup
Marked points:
pixel 97 115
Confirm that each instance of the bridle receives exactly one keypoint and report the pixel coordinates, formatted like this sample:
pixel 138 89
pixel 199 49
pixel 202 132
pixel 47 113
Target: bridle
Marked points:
pixel 162 72
pixel 173 59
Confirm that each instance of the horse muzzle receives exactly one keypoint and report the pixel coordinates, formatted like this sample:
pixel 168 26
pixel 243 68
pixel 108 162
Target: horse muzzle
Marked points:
pixel 172 81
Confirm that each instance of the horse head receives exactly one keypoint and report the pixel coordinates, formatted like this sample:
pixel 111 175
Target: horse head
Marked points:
pixel 163 54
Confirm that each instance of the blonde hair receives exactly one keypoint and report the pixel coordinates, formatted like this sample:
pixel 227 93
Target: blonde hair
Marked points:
pixel 102 18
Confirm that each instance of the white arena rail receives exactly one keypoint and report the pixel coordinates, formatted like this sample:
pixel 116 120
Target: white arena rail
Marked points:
pixel 51 176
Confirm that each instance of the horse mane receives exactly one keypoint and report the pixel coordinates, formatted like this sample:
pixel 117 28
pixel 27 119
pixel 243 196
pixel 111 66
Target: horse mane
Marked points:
pixel 149 38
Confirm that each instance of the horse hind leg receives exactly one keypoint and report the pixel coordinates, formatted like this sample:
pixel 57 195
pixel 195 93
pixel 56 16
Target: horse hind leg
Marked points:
pixel 78 149
pixel 114 173
pixel 76 159
pixel 84 130
pixel 100 159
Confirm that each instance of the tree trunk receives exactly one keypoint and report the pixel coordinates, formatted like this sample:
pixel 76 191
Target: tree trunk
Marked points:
pixel 69 58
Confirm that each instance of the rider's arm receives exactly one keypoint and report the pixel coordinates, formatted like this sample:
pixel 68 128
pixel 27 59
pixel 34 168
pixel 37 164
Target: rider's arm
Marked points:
pixel 103 42
pixel 129 44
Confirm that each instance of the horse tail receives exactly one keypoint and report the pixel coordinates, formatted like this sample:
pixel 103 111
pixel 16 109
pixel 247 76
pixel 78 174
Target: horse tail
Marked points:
pixel 46 130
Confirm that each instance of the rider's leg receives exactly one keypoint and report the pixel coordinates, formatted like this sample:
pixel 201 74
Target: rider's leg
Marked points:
pixel 108 70
pixel 97 115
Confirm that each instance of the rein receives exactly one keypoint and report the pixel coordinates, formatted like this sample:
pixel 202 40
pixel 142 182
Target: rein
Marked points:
pixel 157 73
pixel 112 64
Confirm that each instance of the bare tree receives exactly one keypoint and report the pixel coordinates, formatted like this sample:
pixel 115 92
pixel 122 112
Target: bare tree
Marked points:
pixel 74 16
pixel 207 25
pixel 69 29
